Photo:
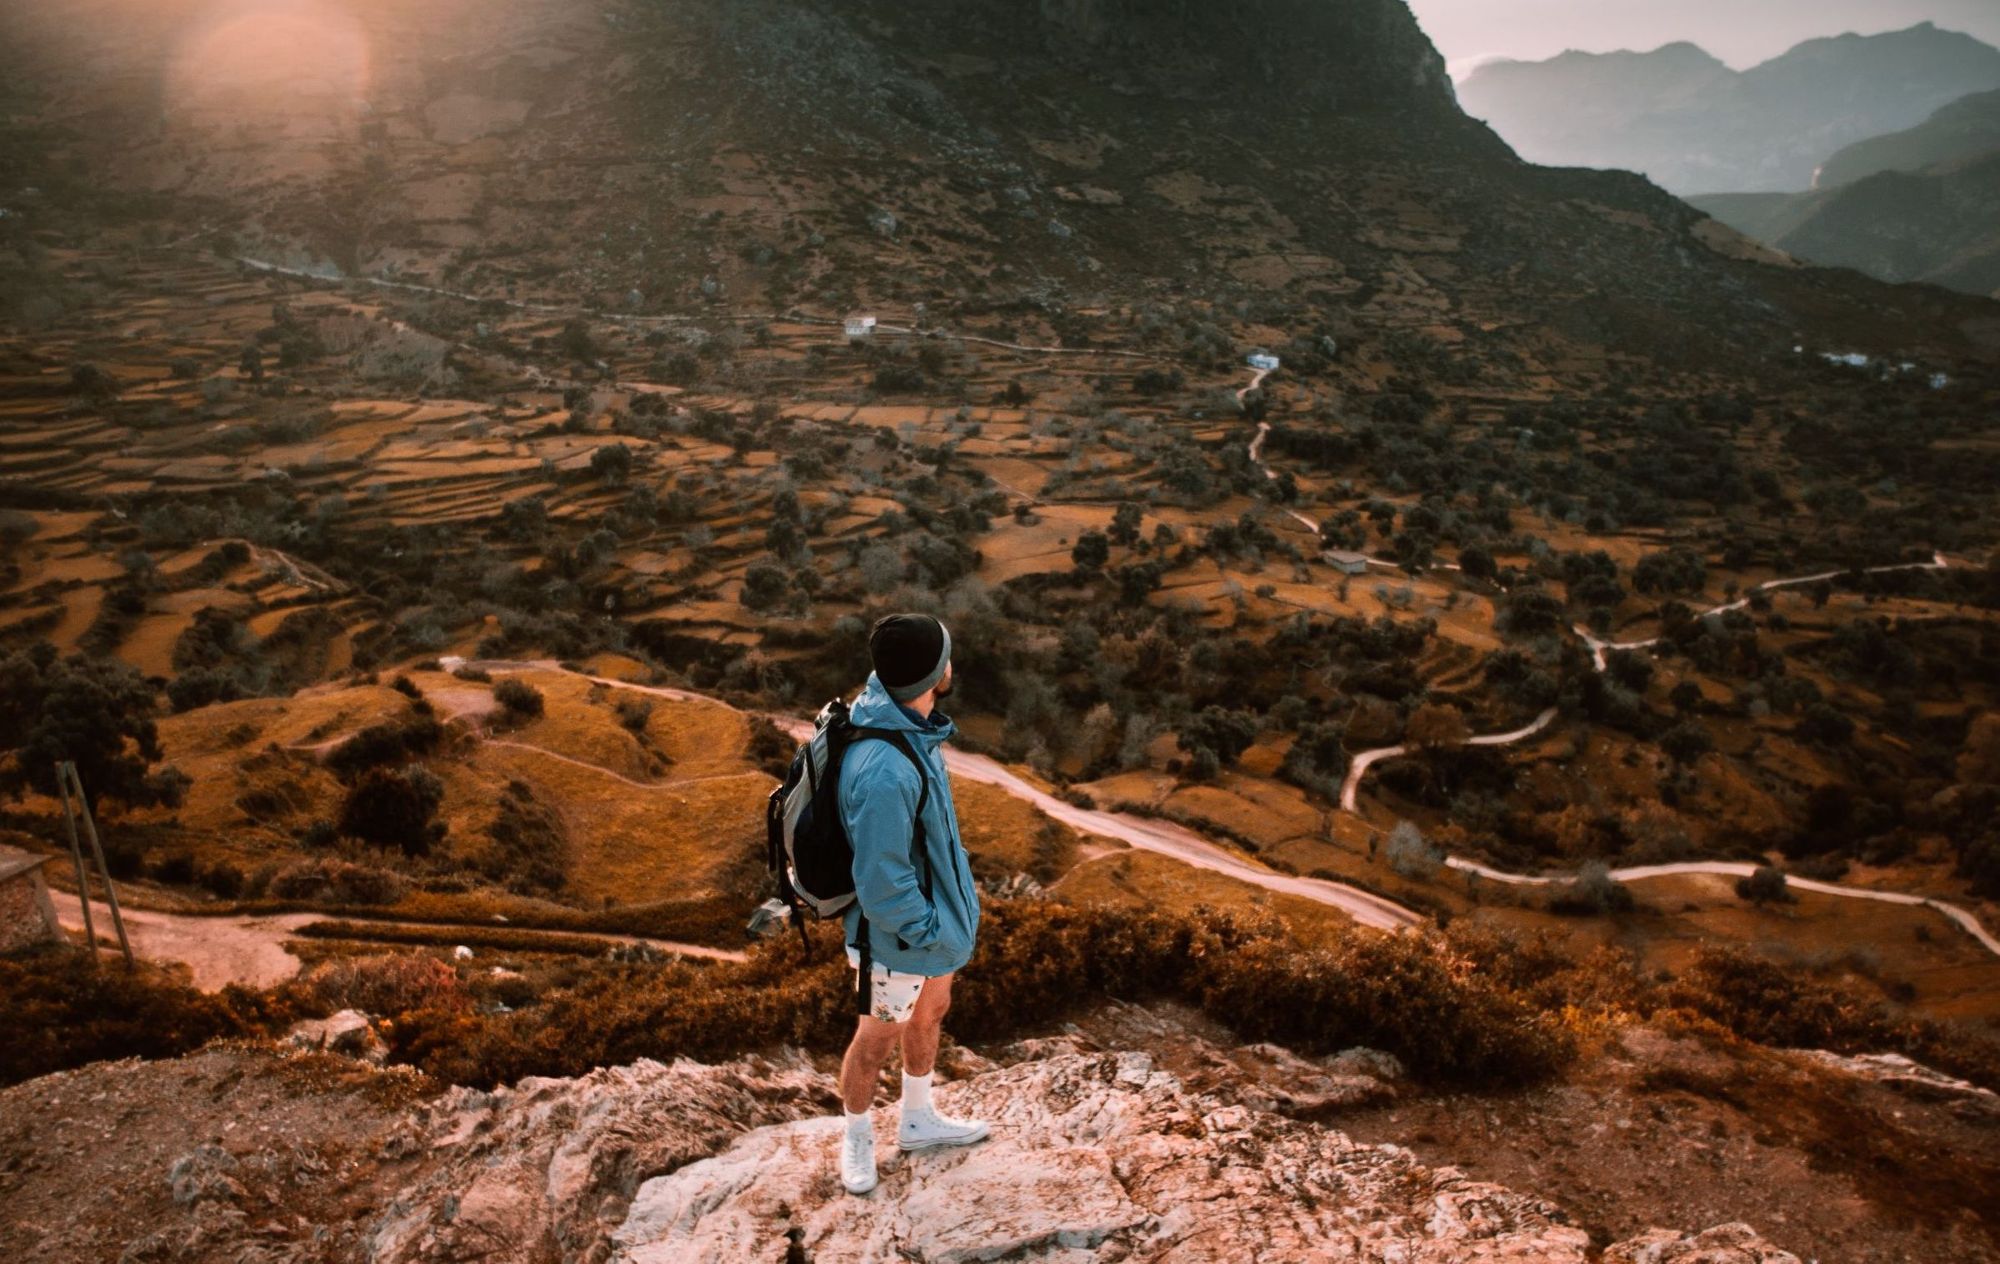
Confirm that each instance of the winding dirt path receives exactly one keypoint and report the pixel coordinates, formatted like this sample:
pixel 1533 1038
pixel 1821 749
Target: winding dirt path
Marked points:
pixel 1364 760
pixel 1162 837
pixel 1598 648
pixel 1351 787
pixel 1309 523
pixel 1169 839
pixel 1966 920
pixel 250 948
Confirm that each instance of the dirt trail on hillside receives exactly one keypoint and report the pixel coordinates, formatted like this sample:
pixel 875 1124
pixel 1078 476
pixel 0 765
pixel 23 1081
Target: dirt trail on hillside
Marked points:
pixel 1169 839
pixel 250 948
pixel 1163 837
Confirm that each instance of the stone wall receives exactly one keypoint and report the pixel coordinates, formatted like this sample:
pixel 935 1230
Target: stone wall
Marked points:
pixel 26 915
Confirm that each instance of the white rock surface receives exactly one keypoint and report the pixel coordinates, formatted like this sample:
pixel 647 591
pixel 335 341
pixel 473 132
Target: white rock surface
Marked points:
pixel 347 1032
pixel 1094 1157
pixel 1724 1244
pixel 1912 1079
pixel 545 1170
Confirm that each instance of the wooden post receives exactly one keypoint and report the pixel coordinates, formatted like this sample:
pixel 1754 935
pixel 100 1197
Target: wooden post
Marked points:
pixel 97 849
pixel 76 854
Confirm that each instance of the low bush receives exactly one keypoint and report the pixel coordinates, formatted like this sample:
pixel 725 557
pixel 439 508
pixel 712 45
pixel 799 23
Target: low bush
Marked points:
pixel 379 745
pixel 1409 994
pixel 634 714
pixel 1592 891
pixel 771 749
pixel 528 852
pixel 331 881
pixel 518 698
pixel 1473 1006
pixel 386 985
pixel 393 808
pixel 59 1013
pixel 1767 1001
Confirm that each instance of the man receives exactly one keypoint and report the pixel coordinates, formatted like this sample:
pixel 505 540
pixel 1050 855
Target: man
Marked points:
pixel 914 928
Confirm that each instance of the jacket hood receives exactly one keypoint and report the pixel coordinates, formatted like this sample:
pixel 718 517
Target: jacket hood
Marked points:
pixel 875 709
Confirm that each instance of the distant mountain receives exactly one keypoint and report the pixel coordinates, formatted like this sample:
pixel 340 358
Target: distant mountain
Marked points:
pixel 1695 126
pixel 998 156
pixel 1967 128
pixel 1941 224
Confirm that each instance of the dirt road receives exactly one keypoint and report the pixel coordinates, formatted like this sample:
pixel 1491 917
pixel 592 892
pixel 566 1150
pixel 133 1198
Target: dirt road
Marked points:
pixel 250 949
pixel 1965 919
pixel 1163 837
pixel 1168 839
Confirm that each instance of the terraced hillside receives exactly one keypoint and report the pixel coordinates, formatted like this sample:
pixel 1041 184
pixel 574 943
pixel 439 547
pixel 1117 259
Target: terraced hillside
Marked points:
pixel 1571 531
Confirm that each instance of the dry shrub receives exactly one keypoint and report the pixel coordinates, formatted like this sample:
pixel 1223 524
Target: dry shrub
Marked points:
pixel 387 985
pixel 1771 1003
pixel 770 748
pixel 529 852
pixel 60 1013
pixel 329 881
pixel 1412 994
pixel 380 745
pixel 625 1012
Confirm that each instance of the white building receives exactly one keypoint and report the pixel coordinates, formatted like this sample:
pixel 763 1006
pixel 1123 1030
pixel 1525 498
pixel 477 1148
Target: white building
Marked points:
pixel 1264 360
pixel 860 328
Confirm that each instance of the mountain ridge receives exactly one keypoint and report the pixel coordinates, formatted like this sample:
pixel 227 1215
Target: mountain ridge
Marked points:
pixel 1697 126
pixel 789 153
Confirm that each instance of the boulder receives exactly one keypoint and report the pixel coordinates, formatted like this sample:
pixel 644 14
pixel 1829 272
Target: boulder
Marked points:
pixel 348 1033
pixel 1724 1244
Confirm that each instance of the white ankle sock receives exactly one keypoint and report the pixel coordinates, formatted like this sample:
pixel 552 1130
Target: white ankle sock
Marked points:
pixel 858 1123
pixel 916 1092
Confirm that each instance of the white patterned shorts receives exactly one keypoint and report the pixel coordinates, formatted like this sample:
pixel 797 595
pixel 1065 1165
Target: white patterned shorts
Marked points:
pixel 892 994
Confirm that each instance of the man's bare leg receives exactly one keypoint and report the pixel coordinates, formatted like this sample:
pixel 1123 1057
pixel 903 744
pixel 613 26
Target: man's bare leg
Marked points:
pixel 926 1026
pixel 868 1052
pixel 922 1126
pixel 861 1068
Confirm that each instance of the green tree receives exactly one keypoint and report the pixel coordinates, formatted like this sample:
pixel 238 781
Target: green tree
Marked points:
pixel 1091 551
pixel 393 808
pixel 1125 524
pixel 764 586
pixel 612 465
pixel 1227 733
pixel 97 712
pixel 1765 886
pixel 1686 742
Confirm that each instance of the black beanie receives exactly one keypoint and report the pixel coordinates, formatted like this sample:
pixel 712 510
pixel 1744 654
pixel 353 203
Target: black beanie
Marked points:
pixel 909 652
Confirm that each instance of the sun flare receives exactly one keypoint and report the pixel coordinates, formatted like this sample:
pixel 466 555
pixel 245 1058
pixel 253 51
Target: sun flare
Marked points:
pixel 269 54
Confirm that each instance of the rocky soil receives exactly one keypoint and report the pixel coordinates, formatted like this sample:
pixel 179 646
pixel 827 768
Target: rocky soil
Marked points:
pixel 1137 1135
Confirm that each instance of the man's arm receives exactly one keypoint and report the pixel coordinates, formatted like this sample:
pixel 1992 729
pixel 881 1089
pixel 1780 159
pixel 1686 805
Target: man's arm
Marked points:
pixel 881 824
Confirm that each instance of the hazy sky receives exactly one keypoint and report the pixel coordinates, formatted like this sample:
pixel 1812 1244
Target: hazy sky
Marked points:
pixel 1740 32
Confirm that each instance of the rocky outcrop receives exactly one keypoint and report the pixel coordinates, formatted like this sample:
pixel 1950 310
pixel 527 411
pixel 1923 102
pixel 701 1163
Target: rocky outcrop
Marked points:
pixel 1098 1155
pixel 1724 1244
pixel 1103 1157
pixel 1912 1079
pixel 544 1170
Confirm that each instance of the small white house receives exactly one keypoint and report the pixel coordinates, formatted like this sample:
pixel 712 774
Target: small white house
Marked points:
pixel 860 328
pixel 1264 360
pixel 1346 561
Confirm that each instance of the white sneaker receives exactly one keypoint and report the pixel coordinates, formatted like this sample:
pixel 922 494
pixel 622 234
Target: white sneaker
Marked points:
pixel 857 1159
pixel 924 1128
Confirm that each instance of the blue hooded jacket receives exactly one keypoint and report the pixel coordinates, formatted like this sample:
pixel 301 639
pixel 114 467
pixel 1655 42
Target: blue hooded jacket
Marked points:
pixel 879 791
